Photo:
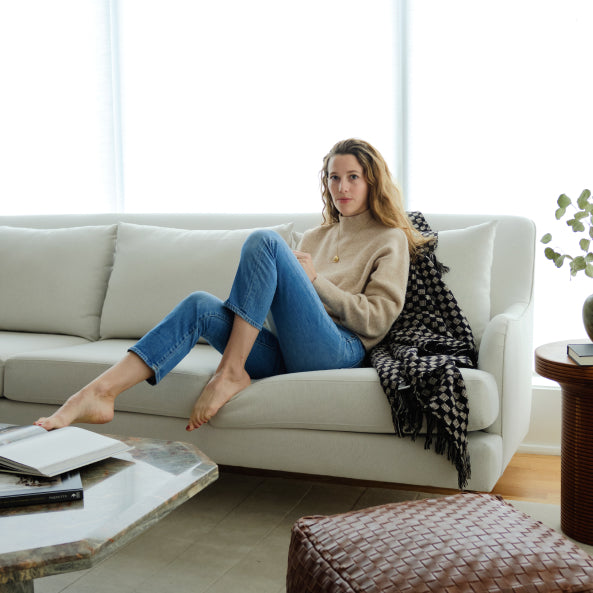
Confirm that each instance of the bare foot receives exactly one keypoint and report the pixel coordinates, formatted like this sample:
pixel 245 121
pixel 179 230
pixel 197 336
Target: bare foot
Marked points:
pixel 219 390
pixel 85 406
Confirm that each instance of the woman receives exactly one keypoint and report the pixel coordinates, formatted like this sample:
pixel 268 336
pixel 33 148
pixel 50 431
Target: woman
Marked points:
pixel 332 300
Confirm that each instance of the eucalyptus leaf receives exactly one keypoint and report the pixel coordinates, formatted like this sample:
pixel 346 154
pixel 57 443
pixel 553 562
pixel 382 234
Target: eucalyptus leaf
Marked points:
pixel 551 254
pixel 546 238
pixel 564 201
pixel 577 226
pixel 578 263
pixel 560 213
pixel 584 244
pixel 589 270
pixel 583 200
pixel 559 260
pixel 582 214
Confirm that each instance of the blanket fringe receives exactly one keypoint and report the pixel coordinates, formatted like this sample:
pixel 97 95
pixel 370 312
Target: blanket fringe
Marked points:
pixel 443 445
pixel 408 422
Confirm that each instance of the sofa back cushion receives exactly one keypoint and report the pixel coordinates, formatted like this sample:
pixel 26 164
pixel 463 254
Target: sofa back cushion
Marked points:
pixel 54 280
pixel 468 254
pixel 156 267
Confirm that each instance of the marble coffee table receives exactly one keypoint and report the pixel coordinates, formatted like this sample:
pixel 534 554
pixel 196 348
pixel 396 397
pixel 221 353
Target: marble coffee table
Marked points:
pixel 123 496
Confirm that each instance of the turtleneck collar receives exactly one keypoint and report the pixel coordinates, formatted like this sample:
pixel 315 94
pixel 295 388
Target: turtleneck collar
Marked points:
pixel 356 222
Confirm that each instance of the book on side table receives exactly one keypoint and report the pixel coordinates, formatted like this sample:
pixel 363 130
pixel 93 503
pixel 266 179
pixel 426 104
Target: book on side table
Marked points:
pixel 582 354
pixel 34 451
pixel 21 490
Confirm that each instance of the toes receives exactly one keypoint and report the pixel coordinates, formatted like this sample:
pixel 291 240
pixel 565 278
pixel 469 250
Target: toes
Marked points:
pixel 51 422
pixel 195 423
pixel 45 423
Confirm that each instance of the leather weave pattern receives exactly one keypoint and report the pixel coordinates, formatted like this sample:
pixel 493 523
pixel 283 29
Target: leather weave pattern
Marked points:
pixel 465 543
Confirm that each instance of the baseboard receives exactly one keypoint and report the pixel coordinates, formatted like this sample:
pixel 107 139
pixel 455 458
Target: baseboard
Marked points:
pixel 539 449
pixel 544 435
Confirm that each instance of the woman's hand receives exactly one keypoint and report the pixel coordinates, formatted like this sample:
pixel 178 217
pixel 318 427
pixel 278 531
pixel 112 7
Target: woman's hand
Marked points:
pixel 307 262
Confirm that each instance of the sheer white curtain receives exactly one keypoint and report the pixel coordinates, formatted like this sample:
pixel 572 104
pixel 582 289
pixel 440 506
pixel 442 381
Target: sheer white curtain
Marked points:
pixel 187 105
pixel 231 106
pixel 56 108
pixel 500 121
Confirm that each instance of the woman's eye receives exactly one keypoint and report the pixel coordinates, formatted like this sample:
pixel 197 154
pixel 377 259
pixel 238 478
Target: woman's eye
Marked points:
pixel 354 177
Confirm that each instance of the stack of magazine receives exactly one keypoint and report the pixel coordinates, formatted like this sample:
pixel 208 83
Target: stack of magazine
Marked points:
pixel 39 467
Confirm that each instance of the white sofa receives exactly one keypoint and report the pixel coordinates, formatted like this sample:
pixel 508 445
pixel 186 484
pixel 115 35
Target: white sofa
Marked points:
pixel 76 291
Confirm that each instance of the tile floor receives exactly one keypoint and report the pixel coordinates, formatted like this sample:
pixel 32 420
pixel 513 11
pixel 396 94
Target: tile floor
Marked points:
pixel 232 537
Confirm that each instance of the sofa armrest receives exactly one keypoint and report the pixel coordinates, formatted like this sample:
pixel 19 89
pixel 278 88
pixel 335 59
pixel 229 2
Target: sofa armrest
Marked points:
pixel 506 351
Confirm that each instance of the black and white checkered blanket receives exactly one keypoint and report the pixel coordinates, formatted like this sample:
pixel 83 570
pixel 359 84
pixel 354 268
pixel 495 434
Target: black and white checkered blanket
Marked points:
pixel 418 361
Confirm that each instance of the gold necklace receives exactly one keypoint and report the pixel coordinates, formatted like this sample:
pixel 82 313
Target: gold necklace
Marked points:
pixel 336 257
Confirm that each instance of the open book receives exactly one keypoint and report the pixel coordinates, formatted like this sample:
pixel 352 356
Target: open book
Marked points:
pixel 32 450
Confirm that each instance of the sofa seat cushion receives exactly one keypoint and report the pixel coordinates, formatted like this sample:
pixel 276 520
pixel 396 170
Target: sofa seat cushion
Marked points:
pixel 51 376
pixel 343 400
pixel 13 343
pixel 349 400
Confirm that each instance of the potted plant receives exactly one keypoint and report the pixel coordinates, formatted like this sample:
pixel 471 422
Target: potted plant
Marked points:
pixel 580 222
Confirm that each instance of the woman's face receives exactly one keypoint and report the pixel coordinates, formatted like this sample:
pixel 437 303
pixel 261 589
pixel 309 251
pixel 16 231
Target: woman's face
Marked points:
pixel 347 185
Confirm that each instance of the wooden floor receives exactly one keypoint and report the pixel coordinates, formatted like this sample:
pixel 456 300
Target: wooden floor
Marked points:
pixel 531 477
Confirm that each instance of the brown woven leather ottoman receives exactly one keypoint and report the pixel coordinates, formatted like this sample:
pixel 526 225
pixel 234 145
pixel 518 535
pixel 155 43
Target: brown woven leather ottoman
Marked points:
pixel 462 543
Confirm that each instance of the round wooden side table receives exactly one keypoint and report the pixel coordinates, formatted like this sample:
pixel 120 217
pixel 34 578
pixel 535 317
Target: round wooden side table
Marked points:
pixel 576 455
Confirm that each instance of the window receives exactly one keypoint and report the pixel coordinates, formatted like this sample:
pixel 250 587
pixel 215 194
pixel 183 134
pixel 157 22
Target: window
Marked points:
pixel 183 105
pixel 231 106
pixel 56 130
pixel 500 121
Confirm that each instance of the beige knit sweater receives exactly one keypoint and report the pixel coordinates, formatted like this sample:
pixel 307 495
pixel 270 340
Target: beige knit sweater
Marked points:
pixel 365 290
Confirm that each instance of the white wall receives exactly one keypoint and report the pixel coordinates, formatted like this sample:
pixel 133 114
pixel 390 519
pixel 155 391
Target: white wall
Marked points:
pixel 544 432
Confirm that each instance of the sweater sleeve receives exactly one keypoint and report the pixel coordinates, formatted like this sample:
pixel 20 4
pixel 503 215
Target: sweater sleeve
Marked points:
pixel 371 313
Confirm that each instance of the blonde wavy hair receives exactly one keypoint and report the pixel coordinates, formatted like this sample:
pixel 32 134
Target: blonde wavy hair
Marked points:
pixel 385 198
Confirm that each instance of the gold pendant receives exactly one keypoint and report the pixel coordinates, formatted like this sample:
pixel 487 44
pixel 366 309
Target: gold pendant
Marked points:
pixel 336 259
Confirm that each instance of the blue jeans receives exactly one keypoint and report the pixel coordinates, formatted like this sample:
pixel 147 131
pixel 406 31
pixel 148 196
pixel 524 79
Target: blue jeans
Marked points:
pixel 269 279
